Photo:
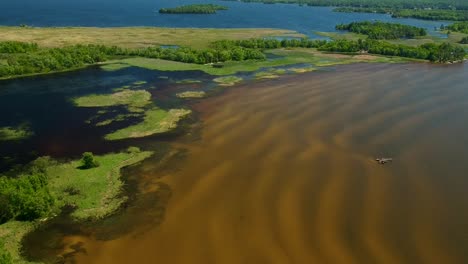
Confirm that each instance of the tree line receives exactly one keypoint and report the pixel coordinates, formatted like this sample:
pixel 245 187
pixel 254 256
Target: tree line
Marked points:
pixel 381 30
pixel 440 53
pixel 193 9
pixel 433 14
pixel 58 59
pixel 458 27
pixel 17 47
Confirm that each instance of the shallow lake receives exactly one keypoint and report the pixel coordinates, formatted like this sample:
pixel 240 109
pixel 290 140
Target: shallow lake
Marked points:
pixel 113 13
pixel 283 172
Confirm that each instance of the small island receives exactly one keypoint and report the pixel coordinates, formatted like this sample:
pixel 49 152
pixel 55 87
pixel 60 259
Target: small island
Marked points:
pixel 193 9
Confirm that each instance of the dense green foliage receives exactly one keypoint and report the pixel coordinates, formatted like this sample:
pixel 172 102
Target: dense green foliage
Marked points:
pixel 59 59
pixel 381 30
pixel 445 52
pixel 88 161
pixel 464 40
pixel 454 15
pixel 24 198
pixel 459 27
pixel 5 256
pixel 193 9
pixel 17 47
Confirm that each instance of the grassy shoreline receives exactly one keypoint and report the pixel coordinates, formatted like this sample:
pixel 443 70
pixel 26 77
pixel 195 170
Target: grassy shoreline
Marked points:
pixel 94 193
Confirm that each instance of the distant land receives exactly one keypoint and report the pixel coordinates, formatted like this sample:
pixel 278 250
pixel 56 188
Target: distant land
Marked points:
pixel 193 9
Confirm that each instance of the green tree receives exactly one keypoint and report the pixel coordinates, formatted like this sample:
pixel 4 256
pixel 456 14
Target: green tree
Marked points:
pixel 24 198
pixel 88 161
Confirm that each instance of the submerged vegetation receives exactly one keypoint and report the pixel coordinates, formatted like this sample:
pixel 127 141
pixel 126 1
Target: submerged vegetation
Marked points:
pixel 155 121
pixel 228 80
pixel 191 94
pixel 381 30
pixel 15 133
pixel 193 9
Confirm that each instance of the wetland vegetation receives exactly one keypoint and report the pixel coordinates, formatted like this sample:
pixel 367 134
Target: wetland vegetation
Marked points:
pixel 32 194
pixel 155 121
pixel 191 94
pixel 15 133
pixel 91 187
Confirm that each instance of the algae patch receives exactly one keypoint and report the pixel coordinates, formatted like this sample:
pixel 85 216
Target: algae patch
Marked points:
pixel 155 121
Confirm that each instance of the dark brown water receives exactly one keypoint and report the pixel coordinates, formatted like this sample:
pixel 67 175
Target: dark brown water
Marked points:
pixel 283 172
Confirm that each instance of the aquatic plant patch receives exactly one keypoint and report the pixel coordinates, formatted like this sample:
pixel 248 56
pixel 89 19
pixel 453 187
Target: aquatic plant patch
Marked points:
pixel 191 94
pixel 156 121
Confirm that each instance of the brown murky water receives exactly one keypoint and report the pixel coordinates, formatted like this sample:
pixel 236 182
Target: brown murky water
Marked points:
pixel 284 173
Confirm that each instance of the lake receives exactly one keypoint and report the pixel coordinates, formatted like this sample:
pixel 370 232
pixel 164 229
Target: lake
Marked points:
pixel 278 171
pixel 283 171
pixel 118 13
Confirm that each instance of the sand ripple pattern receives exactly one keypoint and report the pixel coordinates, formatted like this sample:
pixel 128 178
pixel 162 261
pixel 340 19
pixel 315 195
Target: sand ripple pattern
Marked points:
pixel 283 173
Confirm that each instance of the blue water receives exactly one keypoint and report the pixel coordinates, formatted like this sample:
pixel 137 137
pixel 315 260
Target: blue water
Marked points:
pixel 116 13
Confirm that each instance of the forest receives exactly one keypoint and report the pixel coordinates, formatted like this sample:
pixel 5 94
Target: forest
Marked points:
pixel 437 14
pixel 60 59
pixel 29 59
pixel 440 53
pixel 193 9
pixel 458 27
pixel 381 30
pixel 464 40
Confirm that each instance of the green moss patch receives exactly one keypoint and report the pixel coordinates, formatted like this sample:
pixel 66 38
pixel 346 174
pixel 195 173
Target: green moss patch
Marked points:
pixel 94 192
pixel 155 121
pixel 134 100
pixel 15 133
pixel 228 80
pixel 191 94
